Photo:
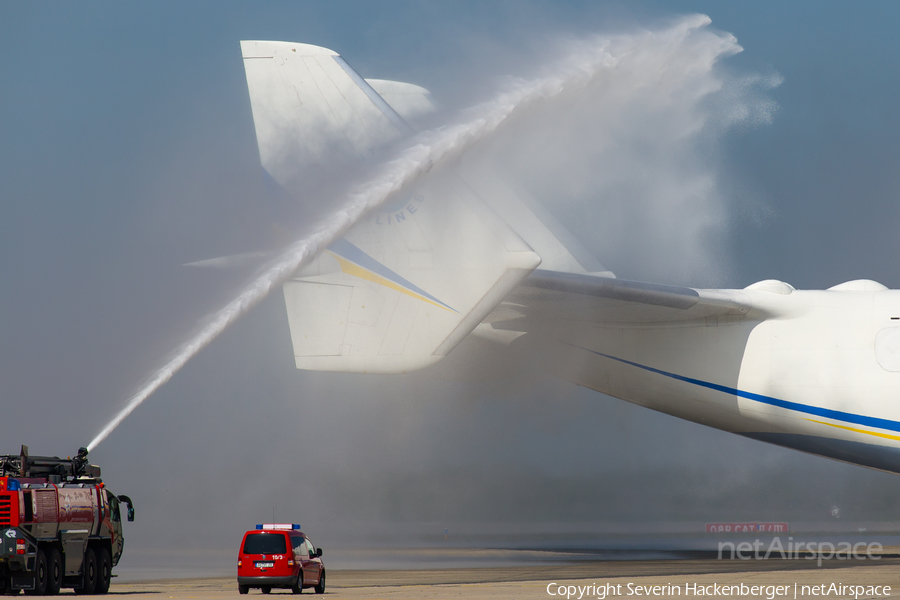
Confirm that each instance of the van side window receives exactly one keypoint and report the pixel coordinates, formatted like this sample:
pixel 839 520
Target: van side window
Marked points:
pixel 298 547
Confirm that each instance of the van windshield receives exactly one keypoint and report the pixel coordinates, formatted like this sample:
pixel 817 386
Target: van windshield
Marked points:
pixel 265 543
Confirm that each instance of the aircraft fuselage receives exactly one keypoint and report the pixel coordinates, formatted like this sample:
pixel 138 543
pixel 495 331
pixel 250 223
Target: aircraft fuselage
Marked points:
pixel 818 371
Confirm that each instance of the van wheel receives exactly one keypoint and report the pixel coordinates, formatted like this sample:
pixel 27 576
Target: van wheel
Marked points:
pixel 55 572
pixel 265 589
pixel 320 587
pixel 243 589
pixel 40 575
pixel 89 573
pixel 297 588
pixel 104 571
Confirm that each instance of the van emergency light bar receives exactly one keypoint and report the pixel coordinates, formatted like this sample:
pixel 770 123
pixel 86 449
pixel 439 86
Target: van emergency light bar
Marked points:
pixel 278 526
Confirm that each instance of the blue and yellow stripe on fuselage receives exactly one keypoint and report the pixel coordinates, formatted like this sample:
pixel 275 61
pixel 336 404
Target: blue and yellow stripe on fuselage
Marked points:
pixel 877 456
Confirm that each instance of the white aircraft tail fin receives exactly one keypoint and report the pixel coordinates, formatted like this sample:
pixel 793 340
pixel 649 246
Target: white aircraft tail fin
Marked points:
pixel 407 284
pixel 310 106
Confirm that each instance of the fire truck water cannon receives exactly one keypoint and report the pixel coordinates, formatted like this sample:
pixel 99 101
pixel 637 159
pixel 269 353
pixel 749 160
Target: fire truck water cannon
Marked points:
pixel 55 469
pixel 60 526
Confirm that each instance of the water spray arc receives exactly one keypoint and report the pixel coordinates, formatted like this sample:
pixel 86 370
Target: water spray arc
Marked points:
pixel 425 150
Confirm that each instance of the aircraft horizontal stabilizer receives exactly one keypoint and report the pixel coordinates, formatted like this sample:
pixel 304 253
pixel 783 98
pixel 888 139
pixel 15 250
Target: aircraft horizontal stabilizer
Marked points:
pixel 407 284
pixel 233 261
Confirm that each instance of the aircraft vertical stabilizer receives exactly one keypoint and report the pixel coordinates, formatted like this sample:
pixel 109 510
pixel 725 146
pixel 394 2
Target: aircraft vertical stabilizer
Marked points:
pixel 310 106
pixel 409 282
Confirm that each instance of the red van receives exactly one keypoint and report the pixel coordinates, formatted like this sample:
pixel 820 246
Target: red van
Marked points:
pixel 279 555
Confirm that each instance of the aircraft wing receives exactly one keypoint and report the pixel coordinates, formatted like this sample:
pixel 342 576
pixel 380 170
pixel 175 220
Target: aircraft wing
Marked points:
pixel 553 296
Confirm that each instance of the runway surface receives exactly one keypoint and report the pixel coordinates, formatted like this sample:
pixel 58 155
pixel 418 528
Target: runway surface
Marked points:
pixel 685 578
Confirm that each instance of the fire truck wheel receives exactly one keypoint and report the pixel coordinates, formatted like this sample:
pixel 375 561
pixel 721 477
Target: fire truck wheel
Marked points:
pixel 297 588
pixel 89 574
pixel 55 572
pixel 104 571
pixel 243 589
pixel 40 574
pixel 265 589
pixel 320 587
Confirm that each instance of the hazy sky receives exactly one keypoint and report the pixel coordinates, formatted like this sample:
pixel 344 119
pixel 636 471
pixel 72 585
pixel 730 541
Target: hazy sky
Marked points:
pixel 127 149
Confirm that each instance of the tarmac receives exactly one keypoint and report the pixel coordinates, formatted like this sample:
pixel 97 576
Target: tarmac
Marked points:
pixel 599 579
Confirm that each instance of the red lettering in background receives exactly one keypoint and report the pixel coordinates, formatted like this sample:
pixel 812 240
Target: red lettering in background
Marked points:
pixel 748 527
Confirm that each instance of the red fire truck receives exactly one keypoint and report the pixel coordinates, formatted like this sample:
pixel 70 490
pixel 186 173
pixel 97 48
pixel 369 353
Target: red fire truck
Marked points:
pixel 59 525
